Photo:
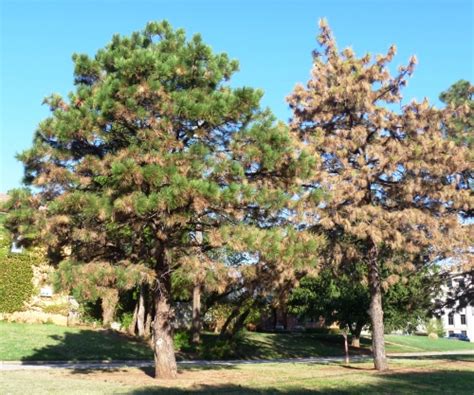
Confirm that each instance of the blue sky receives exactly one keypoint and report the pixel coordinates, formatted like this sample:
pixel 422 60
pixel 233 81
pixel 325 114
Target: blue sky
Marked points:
pixel 271 39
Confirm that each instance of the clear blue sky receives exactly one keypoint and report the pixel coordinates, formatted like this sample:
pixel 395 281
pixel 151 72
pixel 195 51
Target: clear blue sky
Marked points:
pixel 271 39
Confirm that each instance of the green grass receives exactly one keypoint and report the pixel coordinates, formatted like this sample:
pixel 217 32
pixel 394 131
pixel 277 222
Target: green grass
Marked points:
pixel 407 376
pixel 45 342
pixel 397 343
pixel 51 342
pixel 254 345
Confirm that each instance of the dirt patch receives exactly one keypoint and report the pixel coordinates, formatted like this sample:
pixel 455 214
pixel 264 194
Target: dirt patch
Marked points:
pixel 144 377
pixel 215 376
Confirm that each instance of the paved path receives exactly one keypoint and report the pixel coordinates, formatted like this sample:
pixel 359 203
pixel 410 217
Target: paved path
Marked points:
pixel 92 365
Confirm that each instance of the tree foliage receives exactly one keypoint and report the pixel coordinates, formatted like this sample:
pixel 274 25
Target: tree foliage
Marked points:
pixel 390 175
pixel 460 97
pixel 151 146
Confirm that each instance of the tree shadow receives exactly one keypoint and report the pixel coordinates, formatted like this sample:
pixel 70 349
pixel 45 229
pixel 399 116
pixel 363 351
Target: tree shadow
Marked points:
pixel 88 351
pixel 437 382
pixel 275 345
pixel 91 345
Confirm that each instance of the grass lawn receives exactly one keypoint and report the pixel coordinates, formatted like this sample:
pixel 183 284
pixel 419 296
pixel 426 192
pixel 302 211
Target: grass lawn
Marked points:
pixel 407 376
pixel 398 343
pixel 51 342
pixel 45 342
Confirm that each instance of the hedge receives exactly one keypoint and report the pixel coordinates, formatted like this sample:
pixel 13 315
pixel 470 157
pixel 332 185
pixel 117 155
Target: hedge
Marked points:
pixel 16 286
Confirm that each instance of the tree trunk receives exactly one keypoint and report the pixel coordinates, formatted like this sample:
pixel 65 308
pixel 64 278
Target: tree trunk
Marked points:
pixel 147 333
pixel 346 347
pixel 239 323
pixel 376 312
pixel 141 313
pixel 131 328
pixel 228 321
pixel 165 361
pixel 109 303
pixel 196 324
pixel 355 334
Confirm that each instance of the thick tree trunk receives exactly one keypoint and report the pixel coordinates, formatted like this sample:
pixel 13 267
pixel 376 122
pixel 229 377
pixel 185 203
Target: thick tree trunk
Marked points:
pixel 109 303
pixel 141 313
pixel 355 334
pixel 196 324
pixel 376 312
pixel 165 361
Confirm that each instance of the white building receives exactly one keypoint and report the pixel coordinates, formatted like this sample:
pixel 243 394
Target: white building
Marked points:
pixel 459 321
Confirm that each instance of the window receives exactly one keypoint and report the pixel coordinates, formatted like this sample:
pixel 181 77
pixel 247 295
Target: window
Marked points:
pixel 451 333
pixel 463 319
pixel 464 333
pixel 450 319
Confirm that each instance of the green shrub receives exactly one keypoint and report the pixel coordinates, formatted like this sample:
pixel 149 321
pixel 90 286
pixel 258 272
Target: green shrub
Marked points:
pixel 182 341
pixel 435 326
pixel 126 319
pixel 16 286
pixel 90 312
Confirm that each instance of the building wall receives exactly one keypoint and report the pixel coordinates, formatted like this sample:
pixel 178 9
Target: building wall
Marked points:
pixel 457 326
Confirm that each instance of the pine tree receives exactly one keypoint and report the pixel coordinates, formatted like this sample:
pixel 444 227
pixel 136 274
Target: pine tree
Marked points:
pixel 151 145
pixel 389 175
pixel 459 98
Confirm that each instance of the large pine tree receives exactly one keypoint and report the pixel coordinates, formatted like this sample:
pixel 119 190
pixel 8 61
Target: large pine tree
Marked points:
pixel 151 146
pixel 388 171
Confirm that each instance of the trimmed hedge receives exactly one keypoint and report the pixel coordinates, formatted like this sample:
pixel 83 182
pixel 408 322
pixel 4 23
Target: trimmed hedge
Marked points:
pixel 16 286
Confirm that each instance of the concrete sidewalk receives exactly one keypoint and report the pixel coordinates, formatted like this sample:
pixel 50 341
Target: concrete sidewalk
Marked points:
pixel 93 365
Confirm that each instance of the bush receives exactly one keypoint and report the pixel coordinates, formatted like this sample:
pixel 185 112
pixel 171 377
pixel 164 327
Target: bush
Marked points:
pixel 435 326
pixel 182 341
pixel 90 312
pixel 16 281
pixel 126 320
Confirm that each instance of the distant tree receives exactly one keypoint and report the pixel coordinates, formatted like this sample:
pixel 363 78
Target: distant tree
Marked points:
pixel 389 175
pixel 340 299
pixel 460 128
pixel 152 144
pixel 336 297
pixel 460 96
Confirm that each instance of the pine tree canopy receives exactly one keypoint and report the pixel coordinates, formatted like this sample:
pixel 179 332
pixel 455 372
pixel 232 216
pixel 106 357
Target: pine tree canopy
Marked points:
pixel 391 178
pixel 151 146
pixel 390 175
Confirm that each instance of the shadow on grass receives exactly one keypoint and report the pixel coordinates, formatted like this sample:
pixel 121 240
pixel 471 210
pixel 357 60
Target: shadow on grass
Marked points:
pixel 105 345
pixel 91 345
pixel 251 346
pixel 437 382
